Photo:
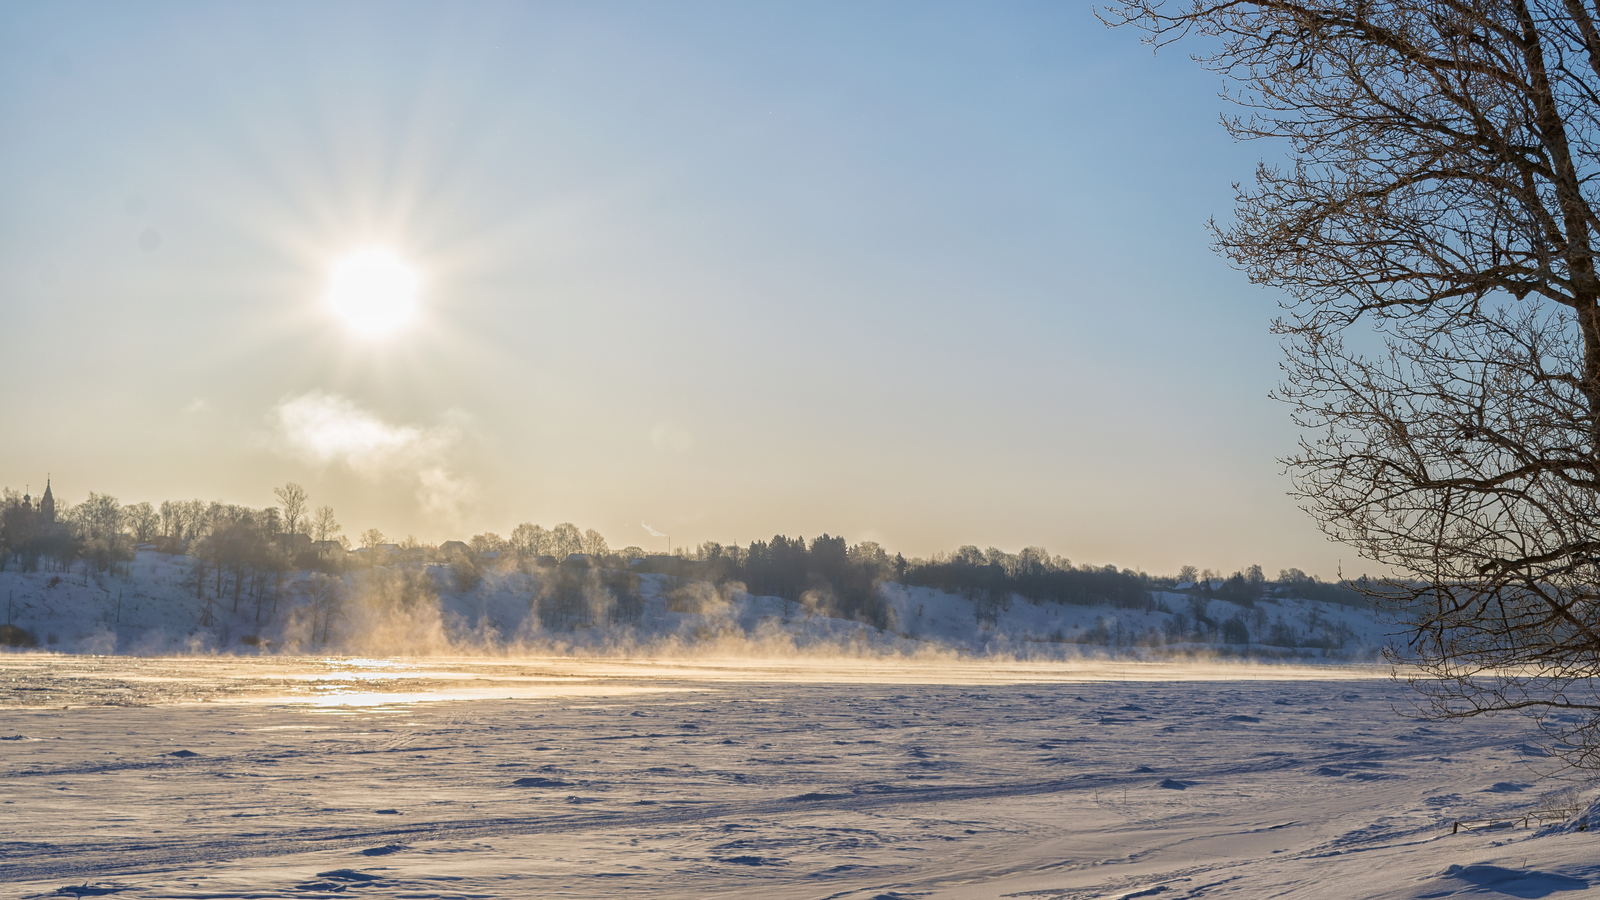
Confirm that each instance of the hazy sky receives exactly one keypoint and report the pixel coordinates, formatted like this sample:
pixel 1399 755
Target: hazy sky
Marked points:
pixel 928 274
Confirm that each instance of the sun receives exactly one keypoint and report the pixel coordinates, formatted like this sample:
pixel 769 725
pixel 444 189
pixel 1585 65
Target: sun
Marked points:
pixel 374 291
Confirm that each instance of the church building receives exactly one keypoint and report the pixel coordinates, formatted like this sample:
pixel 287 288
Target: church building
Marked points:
pixel 47 504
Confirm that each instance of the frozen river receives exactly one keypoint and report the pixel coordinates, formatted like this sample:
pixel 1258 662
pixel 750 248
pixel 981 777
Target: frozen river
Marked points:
pixel 271 777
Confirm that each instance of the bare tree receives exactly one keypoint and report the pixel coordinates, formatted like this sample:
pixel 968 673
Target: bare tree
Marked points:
pixel 324 527
pixel 488 542
pixel 529 540
pixel 326 594
pixel 1442 196
pixel 143 520
pixel 100 516
pixel 565 540
pixel 594 544
pixel 195 523
pixel 292 500
pixel 99 521
pixel 372 537
pixel 172 520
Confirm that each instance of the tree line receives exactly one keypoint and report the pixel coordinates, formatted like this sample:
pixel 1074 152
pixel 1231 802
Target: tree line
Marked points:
pixel 242 555
pixel 842 579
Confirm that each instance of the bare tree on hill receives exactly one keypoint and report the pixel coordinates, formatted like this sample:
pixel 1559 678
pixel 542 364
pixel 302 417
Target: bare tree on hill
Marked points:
pixel 143 520
pixel 1435 234
pixel 565 540
pixel 292 499
pixel 529 540
pixel 324 527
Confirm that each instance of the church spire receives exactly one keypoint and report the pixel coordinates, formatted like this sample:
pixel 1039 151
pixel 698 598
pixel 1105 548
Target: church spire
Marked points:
pixel 47 503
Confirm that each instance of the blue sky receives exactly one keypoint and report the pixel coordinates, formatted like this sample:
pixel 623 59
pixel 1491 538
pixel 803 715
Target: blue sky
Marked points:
pixel 922 273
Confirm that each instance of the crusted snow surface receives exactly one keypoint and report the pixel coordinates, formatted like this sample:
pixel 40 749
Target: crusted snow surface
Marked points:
pixel 153 606
pixel 840 779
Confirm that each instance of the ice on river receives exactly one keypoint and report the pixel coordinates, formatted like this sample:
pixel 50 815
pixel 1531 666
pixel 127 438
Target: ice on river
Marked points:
pixel 276 777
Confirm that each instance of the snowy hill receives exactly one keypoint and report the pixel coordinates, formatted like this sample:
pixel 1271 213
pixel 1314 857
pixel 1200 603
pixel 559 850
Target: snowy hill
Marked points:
pixel 153 606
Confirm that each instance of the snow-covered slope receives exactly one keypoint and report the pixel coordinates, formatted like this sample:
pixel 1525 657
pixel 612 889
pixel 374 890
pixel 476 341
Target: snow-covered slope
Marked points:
pixel 153 606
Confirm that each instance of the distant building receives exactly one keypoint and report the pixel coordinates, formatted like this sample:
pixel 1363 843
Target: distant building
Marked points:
pixel 577 560
pixel 328 549
pixel 47 504
pixel 293 543
pixel 451 548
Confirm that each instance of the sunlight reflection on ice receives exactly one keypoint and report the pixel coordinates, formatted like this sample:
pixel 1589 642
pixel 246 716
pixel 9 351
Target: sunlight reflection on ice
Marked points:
pixel 389 698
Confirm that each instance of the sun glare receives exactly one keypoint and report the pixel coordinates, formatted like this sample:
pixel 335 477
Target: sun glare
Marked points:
pixel 373 291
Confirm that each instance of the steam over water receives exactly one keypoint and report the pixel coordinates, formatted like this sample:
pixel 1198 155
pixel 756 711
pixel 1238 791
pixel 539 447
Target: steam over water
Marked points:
pixel 41 680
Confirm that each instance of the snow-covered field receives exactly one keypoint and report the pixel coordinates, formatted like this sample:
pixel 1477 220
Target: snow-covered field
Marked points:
pixel 805 778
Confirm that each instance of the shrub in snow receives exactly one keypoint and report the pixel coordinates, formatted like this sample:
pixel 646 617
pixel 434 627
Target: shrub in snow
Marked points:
pixel 1587 818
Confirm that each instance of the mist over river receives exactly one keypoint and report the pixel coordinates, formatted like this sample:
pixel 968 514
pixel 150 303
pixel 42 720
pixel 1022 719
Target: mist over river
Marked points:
pixel 50 680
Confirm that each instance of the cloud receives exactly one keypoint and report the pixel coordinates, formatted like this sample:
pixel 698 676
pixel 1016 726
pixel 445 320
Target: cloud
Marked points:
pixel 444 493
pixel 328 429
